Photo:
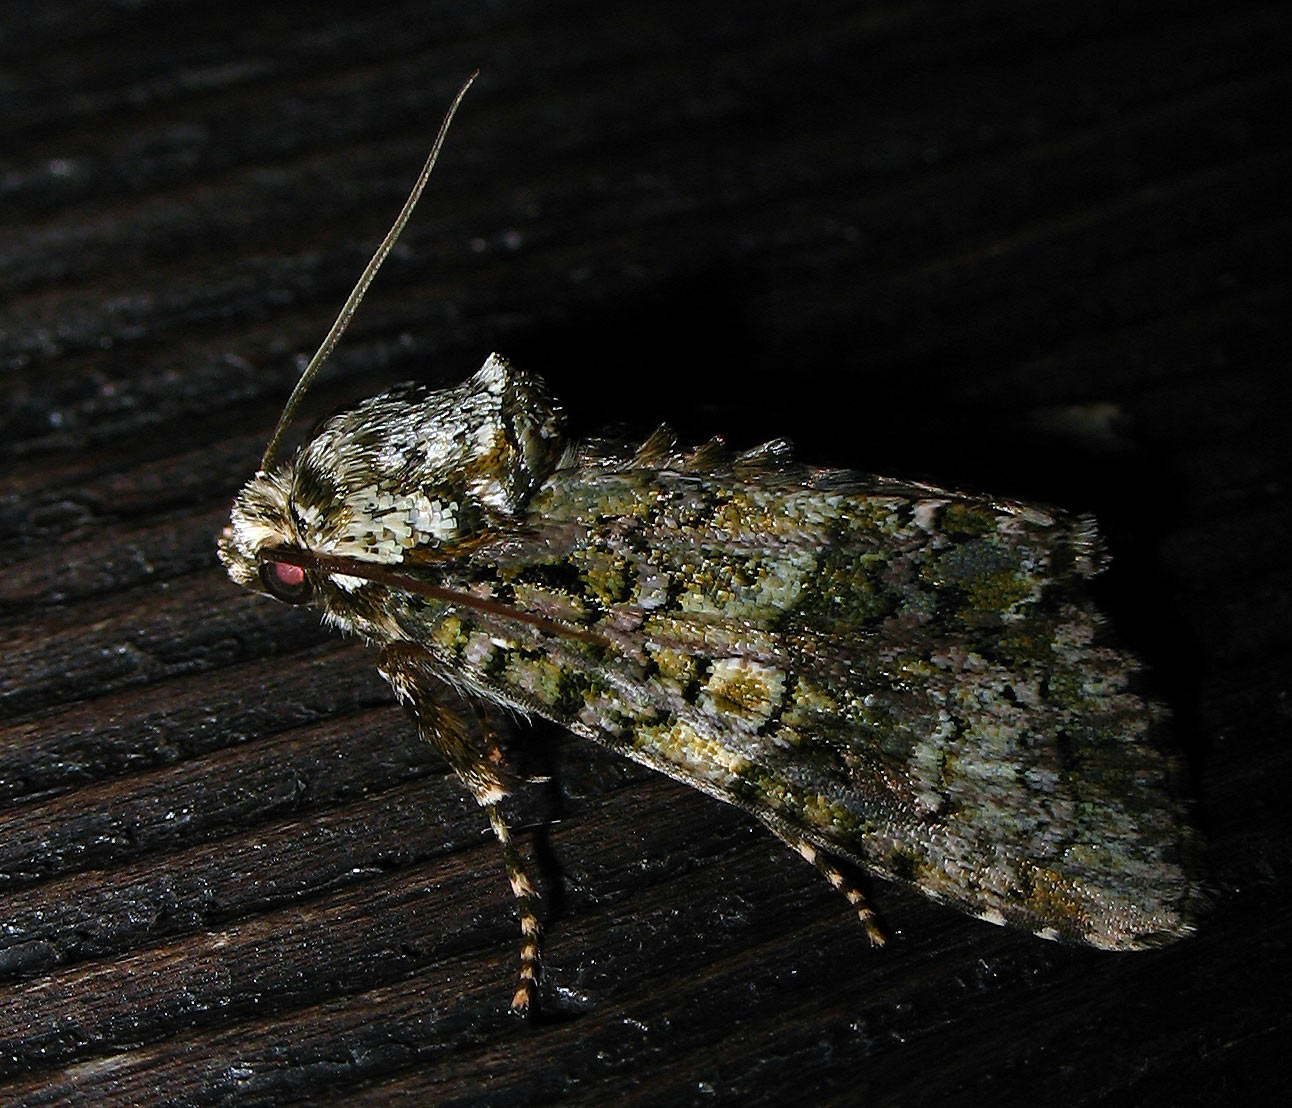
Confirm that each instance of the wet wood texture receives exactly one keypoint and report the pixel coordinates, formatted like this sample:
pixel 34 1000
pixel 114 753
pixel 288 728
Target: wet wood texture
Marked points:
pixel 1039 249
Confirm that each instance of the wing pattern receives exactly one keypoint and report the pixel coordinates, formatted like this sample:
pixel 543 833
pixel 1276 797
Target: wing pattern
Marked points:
pixel 906 677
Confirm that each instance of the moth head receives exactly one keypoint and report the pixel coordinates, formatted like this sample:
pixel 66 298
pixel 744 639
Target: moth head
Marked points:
pixel 261 522
pixel 412 479
pixel 344 486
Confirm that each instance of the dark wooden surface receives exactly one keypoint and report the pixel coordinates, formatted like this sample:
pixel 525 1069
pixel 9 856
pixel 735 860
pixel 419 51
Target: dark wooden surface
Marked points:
pixel 1035 248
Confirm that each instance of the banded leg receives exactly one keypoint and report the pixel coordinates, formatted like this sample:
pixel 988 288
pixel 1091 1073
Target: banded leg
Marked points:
pixel 523 889
pixel 821 860
pixel 462 733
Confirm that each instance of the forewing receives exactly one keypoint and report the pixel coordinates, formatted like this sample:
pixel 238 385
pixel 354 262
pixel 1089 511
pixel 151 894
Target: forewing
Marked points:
pixel 910 678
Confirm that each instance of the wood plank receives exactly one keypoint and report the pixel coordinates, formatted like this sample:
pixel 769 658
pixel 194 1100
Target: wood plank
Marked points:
pixel 1039 249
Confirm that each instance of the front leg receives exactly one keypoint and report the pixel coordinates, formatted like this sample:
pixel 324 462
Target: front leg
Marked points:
pixel 459 730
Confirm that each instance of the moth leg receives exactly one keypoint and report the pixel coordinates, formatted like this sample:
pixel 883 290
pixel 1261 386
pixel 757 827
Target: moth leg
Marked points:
pixel 523 889
pixel 461 732
pixel 821 860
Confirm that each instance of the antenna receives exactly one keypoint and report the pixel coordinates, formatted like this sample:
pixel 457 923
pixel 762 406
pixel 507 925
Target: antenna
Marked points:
pixel 361 286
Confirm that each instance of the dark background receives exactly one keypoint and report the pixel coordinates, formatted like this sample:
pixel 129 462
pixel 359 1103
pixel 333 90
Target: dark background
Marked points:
pixel 1033 248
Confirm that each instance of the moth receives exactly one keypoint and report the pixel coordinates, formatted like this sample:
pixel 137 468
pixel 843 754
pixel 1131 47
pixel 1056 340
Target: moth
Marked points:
pixel 898 678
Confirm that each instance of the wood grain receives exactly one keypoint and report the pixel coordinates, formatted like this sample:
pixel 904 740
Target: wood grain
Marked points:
pixel 1039 249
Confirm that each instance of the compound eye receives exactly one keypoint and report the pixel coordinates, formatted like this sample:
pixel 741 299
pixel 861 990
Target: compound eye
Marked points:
pixel 285 581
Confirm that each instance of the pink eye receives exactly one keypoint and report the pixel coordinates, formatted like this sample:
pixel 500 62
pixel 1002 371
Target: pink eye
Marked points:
pixel 285 581
pixel 288 575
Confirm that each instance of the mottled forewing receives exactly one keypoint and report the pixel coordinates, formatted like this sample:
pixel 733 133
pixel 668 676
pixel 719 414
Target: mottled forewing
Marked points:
pixel 912 679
